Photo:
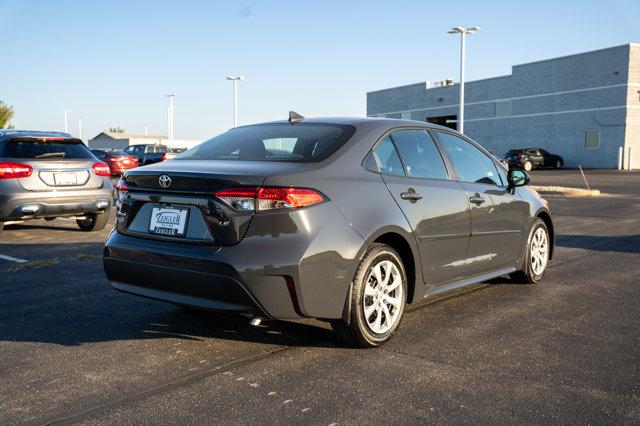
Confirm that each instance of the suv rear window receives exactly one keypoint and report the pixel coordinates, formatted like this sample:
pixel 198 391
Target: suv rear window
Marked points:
pixel 45 148
pixel 299 143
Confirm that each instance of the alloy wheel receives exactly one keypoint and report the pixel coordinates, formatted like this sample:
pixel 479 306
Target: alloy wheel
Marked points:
pixel 383 296
pixel 539 251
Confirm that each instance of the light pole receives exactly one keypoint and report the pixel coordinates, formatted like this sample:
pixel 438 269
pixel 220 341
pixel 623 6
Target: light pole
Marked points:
pixel 146 129
pixel 80 128
pixel 463 32
pixel 66 122
pixel 170 116
pixel 235 79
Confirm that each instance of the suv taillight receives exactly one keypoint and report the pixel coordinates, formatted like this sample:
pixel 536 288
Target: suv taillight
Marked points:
pixel 269 198
pixel 14 170
pixel 102 169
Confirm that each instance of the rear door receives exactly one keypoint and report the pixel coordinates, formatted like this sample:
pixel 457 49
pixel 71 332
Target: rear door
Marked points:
pixel 58 163
pixel 435 206
pixel 497 217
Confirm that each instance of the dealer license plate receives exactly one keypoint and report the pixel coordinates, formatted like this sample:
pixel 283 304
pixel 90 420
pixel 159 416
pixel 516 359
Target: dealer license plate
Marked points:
pixel 169 221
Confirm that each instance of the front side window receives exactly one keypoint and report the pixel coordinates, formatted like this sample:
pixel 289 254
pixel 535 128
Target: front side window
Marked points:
pixel 419 154
pixel 298 143
pixel 384 159
pixel 472 164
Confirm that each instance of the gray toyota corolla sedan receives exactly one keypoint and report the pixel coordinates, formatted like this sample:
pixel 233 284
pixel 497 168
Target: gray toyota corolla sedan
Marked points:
pixel 340 219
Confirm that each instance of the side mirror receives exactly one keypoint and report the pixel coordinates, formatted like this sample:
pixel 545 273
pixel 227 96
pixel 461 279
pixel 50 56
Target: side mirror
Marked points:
pixel 517 177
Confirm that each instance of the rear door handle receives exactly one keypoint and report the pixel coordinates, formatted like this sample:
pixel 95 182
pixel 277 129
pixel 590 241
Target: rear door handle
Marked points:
pixel 410 195
pixel 477 199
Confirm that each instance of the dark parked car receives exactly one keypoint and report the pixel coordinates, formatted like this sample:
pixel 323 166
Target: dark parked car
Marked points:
pixel 148 153
pixel 118 161
pixel 533 158
pixel 345 220
pixel 50 174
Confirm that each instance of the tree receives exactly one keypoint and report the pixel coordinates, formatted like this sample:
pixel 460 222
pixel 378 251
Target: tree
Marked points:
pixel 6 114
pixel 116 129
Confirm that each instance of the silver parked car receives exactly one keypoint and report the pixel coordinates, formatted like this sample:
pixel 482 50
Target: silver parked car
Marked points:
pixel 345 220
pixel 50 174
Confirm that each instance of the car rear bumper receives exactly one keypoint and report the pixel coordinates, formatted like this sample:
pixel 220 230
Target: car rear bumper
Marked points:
pixel 33 205
pixel 303 271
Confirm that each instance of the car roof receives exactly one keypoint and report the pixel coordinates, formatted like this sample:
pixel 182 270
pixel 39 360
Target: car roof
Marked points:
pixel 363 122
pixel 10 134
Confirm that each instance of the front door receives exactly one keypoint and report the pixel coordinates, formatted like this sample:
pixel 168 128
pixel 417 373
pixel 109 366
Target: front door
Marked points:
pixel 435 206
pixel 497 217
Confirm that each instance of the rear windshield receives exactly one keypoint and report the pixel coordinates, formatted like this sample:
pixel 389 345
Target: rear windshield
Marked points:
pixel 43 148
pixel 300 143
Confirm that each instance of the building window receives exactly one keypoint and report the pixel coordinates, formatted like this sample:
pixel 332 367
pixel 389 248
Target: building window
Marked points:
pixel 405 116
pixel 503 108
pixel 592 139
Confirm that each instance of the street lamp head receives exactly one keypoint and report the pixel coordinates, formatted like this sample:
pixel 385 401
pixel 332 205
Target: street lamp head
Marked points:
pixel 456 30
pixel 235 77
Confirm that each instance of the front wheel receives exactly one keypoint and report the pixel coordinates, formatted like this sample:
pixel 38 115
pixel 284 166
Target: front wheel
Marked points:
pixel 536 255
pixel 94 221
pixel 377 300
pixel 528 165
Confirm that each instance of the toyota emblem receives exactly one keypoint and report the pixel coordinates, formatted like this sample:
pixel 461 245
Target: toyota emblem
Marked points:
pixel 164 181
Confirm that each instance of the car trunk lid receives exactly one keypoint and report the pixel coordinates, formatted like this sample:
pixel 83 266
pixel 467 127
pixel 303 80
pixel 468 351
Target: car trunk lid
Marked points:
pixel 186 188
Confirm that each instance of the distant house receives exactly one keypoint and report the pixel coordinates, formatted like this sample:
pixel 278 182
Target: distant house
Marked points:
pixel 111 140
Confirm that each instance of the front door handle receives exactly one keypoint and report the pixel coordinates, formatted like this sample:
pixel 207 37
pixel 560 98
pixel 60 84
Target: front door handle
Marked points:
pixel 410 195
pixel 477 199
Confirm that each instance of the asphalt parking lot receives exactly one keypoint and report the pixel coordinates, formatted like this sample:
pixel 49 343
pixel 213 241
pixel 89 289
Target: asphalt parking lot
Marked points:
pixel 567 350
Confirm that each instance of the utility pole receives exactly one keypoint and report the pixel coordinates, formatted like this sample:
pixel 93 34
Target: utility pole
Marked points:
pixel 463 32
pixel 146 129
pixel 66 122
pixel 80 128
pixel 235 79
pixel 170 116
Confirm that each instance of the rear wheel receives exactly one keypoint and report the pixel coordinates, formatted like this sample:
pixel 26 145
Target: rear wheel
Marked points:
pixel 377 300
pixel 536 255
pixel 528 165
pixel 94 221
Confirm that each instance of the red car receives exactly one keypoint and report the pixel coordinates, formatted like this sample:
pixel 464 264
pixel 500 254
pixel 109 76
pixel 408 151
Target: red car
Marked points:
pixel 118 161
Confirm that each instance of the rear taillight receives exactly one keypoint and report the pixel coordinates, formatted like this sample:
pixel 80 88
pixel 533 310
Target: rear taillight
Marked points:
pixel 164 157
pixel 14 170
pixel 101 169
pixel 122 188
pixel 269 198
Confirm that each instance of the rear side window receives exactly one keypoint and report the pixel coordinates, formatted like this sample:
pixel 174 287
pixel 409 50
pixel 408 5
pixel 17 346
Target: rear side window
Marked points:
pixel 46 148
pixel 384 159
pixel 300 143
pixel 419 154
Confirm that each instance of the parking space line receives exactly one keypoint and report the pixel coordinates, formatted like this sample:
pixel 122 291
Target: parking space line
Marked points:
pixel 12 259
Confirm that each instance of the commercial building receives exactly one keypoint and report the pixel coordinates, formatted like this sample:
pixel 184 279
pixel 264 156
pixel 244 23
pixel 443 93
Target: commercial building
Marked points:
pixel 113 140
pixel 584 107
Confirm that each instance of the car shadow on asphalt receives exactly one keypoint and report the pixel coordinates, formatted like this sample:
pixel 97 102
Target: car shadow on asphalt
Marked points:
pixel 71 303
pixel 622 243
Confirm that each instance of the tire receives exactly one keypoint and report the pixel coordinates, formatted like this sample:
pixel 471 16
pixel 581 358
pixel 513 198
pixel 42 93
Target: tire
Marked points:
pixel 383 263
pixel 527 166
pixel 533 272
pixel 94 221
pixel 557 164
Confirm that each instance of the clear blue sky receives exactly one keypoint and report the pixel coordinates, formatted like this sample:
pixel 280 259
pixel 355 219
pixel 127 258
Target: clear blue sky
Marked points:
pixel 112 62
